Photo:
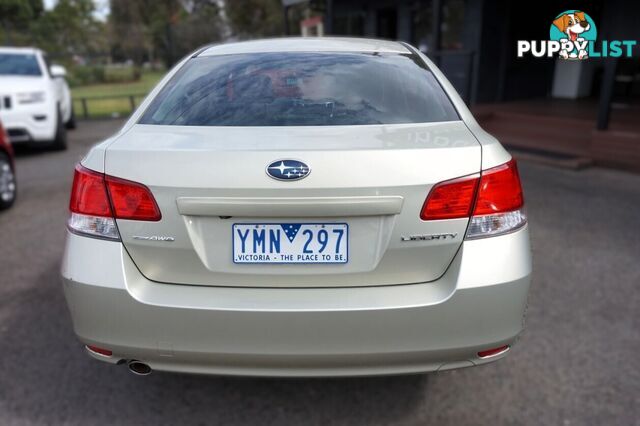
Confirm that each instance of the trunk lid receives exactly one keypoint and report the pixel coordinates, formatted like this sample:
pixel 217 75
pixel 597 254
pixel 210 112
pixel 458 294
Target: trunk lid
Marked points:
pixel 374 178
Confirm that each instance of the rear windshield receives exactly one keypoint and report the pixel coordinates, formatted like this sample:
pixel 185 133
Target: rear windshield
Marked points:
pixel 19 64
pixel 301 89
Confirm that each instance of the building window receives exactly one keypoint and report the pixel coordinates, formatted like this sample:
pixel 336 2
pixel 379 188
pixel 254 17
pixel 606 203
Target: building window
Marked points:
pixel 452 24
pixel 451 29
pixel 422 26
pixel 349 24
pixel 387 23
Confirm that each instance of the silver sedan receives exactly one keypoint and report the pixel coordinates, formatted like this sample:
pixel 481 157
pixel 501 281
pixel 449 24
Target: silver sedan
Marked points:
pixel 298 207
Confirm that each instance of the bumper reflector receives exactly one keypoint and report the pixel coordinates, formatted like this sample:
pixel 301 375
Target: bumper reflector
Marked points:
pixel 493 352
pixel 99 351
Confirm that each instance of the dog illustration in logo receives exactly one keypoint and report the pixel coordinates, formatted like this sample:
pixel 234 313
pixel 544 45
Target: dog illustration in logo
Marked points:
pixel 573 25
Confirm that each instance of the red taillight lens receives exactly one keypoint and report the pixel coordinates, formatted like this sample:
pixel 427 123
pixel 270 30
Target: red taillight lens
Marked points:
pixel 89 194
pixel 499 190
pixel 493 352
pixel 450 199
pixel 99 351
pixel 94 194
pixel 132 200
pixel 494 201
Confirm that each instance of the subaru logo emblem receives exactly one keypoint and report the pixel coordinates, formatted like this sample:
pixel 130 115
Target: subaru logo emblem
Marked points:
pixel 288 170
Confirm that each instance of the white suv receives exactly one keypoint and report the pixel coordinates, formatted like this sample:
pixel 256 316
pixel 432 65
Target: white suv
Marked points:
pixel 35 100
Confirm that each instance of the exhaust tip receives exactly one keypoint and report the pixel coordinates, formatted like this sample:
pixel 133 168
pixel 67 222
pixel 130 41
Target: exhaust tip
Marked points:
pixel 139 368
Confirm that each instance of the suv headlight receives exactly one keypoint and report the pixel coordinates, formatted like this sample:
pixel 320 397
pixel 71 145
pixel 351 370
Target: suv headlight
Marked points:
pixel 31 97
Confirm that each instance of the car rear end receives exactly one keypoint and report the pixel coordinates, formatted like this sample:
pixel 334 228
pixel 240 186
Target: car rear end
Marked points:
pixel 300 213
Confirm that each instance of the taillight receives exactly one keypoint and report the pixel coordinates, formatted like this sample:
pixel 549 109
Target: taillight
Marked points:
pixel 451 199
pixel 4 141
pixel 499 190
pixel 131 200
pixel 499 207
pixel 97 200
pixel 494 201
pixel 90 208
pixel 89 194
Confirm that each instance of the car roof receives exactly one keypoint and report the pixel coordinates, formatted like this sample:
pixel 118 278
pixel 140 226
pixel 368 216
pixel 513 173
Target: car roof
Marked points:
pixel 32 50
pixel 306 44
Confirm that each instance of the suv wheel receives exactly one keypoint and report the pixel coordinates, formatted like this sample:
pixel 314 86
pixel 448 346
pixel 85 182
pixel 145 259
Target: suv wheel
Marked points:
pixel 60 140
pixel 71 124
pixel 8 188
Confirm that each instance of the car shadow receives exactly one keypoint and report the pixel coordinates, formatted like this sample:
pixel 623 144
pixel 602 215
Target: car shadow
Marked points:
pixel 47 378
pixel 30 151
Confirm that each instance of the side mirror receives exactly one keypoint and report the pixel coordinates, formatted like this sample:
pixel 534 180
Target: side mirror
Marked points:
pixel 58 71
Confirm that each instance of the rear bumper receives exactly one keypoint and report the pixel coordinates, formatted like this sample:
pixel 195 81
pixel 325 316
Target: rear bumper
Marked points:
pixel 478 304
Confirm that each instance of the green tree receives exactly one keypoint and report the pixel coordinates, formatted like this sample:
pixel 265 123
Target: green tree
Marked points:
pixel 167 29
pixel 69 29
pixel 129 34
pixel 16 17
pixel 198 24
pixel 255 18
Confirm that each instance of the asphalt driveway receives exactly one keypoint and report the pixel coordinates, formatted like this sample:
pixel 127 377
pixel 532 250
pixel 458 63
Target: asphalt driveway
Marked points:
pixel 576 363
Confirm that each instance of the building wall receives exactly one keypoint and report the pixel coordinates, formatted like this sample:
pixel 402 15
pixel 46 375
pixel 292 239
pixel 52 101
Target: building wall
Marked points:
pixel 489 34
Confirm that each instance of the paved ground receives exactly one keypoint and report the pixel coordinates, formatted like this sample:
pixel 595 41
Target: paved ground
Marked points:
pixel 576 363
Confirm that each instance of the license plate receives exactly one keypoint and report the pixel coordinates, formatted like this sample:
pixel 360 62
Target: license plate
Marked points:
pixel 278 243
